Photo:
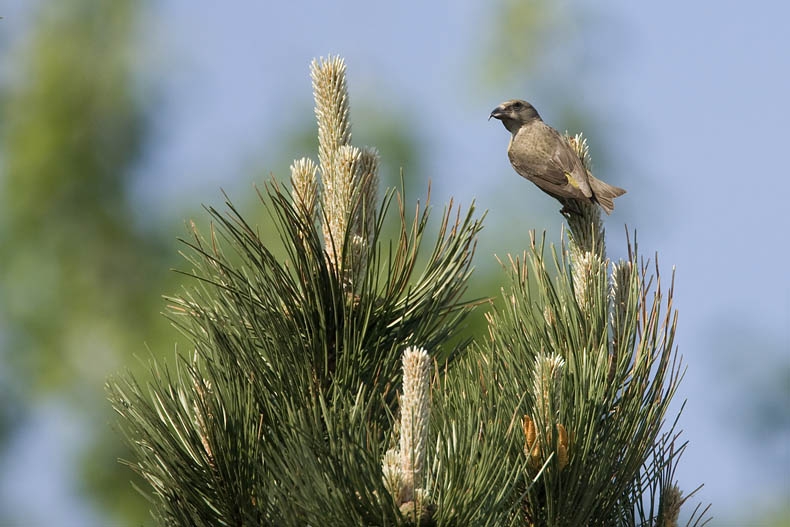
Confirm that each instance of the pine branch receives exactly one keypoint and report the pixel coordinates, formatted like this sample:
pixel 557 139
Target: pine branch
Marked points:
pixel 282 413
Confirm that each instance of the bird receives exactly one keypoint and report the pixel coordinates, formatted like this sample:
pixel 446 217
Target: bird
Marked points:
pixel 540 154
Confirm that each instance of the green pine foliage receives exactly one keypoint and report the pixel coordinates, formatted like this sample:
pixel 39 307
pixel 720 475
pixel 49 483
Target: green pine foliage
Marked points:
pixel 327 385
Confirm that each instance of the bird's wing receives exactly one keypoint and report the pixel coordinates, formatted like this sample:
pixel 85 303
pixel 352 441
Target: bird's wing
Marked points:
pixel 539 153
pixel 531 156
pixel 565 159
pixel 543 170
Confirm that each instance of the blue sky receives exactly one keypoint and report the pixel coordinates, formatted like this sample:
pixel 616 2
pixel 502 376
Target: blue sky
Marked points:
pixel 690 105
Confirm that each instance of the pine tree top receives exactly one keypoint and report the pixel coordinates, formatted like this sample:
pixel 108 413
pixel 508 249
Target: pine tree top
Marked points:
pixel 326 387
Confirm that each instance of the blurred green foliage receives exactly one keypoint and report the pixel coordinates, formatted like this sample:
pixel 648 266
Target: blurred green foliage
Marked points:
pixel 513 46
pixel 80 285
pixel 76 274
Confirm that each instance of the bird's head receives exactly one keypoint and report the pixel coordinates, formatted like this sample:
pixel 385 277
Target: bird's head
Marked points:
pixel 515 113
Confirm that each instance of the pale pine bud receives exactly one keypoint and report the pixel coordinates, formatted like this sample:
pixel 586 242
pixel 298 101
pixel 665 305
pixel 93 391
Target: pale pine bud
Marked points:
pixel 304 187
pixel 331 108
pixel 369 183
pixel 547 385
pixel 337 200
pixel 391 472
pixel 415 412
pixel 671 501
pixel 585 271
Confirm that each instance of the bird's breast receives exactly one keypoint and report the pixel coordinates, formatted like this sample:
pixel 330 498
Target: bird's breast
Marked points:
pixel 522 151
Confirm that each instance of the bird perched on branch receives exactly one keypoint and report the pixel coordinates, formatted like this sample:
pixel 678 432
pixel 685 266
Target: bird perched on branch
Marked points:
pixel 539 153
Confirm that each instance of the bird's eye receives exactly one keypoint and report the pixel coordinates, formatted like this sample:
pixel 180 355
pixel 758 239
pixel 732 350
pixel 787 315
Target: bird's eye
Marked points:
pixel 517 105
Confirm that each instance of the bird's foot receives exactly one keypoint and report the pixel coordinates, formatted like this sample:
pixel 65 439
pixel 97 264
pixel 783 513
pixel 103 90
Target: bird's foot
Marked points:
pixel 569 210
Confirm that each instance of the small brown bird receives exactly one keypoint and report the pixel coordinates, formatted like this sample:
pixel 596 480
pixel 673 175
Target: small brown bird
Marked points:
pixel 539 153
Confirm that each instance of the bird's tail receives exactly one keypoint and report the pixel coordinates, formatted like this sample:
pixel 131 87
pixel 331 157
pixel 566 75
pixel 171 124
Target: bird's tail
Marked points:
pixel 604 193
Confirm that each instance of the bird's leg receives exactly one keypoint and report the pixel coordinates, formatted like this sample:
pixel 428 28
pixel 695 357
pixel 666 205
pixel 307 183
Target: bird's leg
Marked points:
pixel 570 208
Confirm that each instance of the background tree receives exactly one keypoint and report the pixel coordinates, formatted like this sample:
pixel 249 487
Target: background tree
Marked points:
pixel 80 278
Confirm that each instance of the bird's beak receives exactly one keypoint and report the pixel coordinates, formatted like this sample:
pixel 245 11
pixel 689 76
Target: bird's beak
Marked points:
pixel 497 113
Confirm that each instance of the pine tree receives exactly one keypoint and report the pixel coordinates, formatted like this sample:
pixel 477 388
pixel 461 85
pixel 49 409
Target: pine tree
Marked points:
pixel 328 387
